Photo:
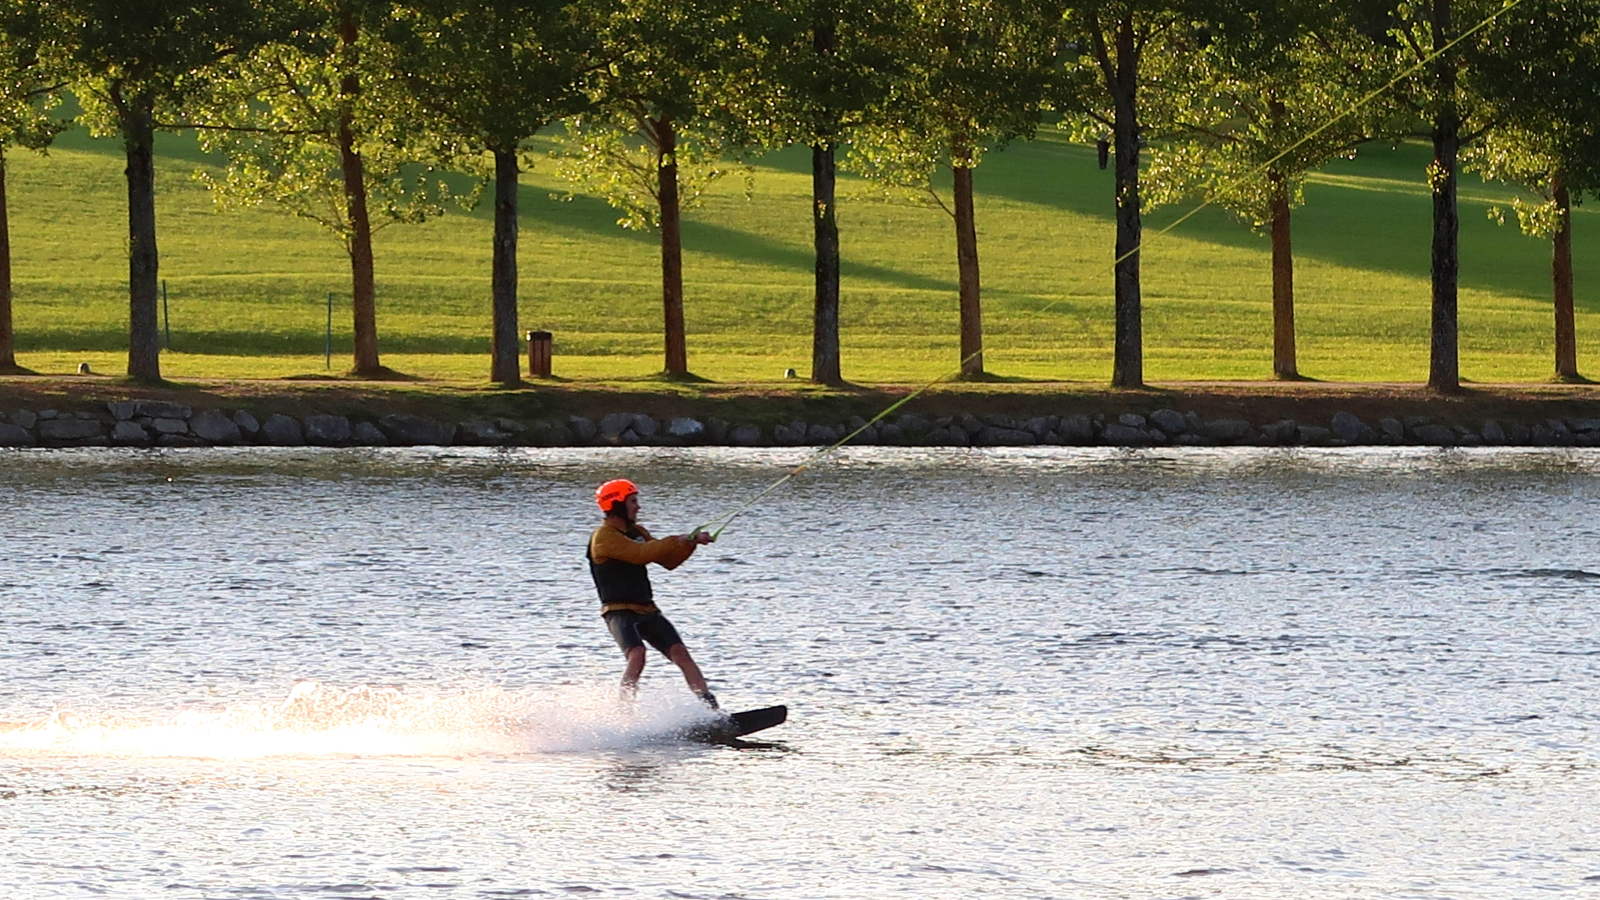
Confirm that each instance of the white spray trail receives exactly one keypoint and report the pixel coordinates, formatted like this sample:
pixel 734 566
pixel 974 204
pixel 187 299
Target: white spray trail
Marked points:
pixel 318 720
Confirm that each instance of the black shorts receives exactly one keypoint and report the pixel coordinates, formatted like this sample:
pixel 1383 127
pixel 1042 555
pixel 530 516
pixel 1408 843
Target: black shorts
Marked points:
pixel 631 630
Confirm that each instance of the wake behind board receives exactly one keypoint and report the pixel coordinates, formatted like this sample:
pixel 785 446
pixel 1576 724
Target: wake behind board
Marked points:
pixel 736 725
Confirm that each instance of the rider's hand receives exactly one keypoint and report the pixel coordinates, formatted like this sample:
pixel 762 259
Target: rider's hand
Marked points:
pixel 702 538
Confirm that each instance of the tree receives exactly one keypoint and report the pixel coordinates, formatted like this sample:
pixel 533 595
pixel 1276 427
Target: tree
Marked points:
pixel 1461 54
pixel 1548 143
pixel 29 90
pixel 977 72
pixel 320 127
pixel 817 71
pixel 650 147
pixel 1118 55
pixel 1255 120
pixel 491 74
pixel 136 62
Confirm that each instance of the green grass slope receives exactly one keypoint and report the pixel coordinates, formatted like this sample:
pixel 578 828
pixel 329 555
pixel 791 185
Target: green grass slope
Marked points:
pixel 247 289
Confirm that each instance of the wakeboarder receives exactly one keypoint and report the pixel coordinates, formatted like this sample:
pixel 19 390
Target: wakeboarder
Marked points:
pixel 619 550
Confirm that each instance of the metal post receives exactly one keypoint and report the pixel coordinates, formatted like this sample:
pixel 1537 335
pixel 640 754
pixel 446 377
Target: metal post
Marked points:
pixel 327 344
pixel 166 315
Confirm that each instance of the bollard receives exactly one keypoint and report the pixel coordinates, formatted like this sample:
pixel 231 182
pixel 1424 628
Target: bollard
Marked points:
pixel 539 353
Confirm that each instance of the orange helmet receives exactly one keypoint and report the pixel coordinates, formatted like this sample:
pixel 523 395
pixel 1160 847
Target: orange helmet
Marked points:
pixel 613 492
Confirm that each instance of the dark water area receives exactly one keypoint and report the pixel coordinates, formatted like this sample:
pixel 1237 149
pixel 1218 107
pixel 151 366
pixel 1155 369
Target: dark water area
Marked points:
pixel 1011 673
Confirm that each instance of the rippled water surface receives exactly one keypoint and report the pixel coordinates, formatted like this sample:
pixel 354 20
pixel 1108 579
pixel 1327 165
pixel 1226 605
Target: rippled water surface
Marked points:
pixel 1074 674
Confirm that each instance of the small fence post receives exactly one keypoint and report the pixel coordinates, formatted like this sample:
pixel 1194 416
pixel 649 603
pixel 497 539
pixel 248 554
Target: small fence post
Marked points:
pixel 327 340
pixel 539 344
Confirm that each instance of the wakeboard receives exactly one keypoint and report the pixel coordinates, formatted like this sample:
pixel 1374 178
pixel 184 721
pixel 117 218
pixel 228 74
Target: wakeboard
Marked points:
pixel 733 726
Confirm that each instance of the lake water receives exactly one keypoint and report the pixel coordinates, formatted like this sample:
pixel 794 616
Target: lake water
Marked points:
pixel 1011 674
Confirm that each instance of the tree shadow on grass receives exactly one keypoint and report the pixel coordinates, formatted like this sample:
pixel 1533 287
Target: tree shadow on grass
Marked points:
pixel 1371 213
pixel 591 215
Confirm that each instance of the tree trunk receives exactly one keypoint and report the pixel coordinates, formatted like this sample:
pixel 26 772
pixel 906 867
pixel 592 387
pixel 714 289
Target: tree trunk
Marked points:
pixel 671 248
pixel 504 367
pixel 1444 364
pixel 1283 362
pixel 144 338
pixel 8 347
pixel 1127 367
pixel 1561 281
pixel 825 321
pixel 967 264
pixel 364 303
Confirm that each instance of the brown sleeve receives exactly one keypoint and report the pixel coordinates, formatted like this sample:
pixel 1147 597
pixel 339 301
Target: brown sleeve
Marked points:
pixel 669 552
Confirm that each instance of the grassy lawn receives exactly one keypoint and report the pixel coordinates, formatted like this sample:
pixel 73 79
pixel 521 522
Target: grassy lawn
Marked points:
pixel 248 289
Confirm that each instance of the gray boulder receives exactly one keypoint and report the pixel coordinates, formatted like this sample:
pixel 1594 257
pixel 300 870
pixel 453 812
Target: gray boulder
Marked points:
pixel 366 434
pixel 822 435
pixel 717 430
pixel 1131 420
pixel 179 440
pixel 1004 437
pixel 129 434
pixel 890 433
pixel 1516 433
pixel 510 426
pixel 1225 430
pixel 745 436
pixel 161 409
pixel 121 410
pixel 15 436
pixel 24 418
pixel 546 433
pixel 481 433
pixel 169 426
pixel 685 428
pixel 327 431
pixel 644 426
pixel 999 421
pixel 248 426
pixel 280 430
pixel 912 424
pixel 1281 432
pixel 583 430
pixel 1581 425
pixel 1393 429
pixel 612 425
pixel 69 430
pixel 1315 436
pixel 1435 435
pixel 1119 435
pixel 1350 428
pixel 406 430
pixel 1493 434
pixel 212 427
pixel 970 424
pixel 1039 426
pixel 47 414
pixel 1076 430
pixel 1193 440
pixel 1170 420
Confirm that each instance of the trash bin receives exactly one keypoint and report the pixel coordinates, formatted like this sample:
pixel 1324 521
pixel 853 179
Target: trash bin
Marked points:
pixel 539 353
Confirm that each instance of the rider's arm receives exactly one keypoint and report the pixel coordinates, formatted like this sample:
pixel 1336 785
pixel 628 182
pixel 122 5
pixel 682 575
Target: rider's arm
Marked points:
pixel 668 552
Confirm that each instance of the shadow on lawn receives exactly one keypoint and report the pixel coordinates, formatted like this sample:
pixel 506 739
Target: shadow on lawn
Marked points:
pixel 1367 226
pixel 591 215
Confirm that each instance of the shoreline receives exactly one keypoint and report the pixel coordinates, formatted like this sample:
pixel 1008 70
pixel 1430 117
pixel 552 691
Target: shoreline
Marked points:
pixel 54 411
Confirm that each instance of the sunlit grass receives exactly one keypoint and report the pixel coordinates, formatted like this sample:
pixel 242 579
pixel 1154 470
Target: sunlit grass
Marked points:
pixel 248 290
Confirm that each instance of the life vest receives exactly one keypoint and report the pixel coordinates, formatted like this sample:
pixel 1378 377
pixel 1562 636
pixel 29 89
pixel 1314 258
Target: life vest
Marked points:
pixel 621 582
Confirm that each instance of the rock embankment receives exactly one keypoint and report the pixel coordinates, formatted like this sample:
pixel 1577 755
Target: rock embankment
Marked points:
pixel 163 423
